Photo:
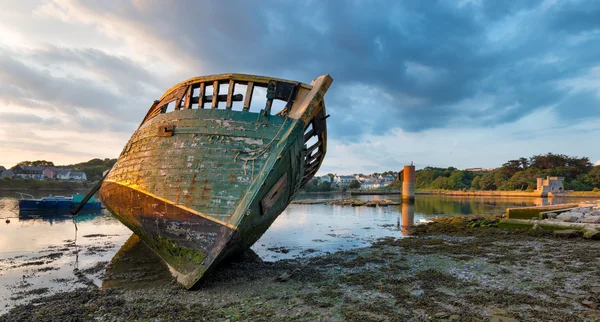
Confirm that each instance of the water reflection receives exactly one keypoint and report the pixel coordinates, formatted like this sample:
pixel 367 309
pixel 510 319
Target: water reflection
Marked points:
pixel 408 217
pixel 58 215
pixel 136 266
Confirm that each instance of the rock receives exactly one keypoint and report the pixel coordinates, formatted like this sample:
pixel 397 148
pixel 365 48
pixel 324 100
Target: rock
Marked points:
pixel 552 215
pixel 595 289
pixel 595 212
pixel 441 315
pixel 591 233
pixel 589 304
pixel 536 228
pixel 284 277
pixel 498 318
pixel 590 219
pixel 567 233
pixel 368 316
pixel 569 216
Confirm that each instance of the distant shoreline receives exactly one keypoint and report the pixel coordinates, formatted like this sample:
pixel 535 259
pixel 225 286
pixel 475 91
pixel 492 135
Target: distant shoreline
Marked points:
pixel 44 189
pixel 577 194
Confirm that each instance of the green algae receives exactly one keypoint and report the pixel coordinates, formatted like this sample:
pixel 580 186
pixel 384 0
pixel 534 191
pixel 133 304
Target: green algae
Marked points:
pixel 180 257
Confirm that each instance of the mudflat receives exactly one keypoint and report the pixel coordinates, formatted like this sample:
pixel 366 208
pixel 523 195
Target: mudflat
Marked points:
pixel 452 270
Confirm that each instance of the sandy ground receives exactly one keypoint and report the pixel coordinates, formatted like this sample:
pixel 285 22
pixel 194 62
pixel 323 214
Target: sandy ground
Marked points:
pixel 449 272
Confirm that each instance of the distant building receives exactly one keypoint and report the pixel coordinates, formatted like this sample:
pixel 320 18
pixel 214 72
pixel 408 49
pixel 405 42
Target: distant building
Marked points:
pixel 63 174
pixel 550 184
pixel 7 174
pixel 387 178
pixel 370 184
pixel 79 176
pixel 29 172
pixel 343 181
pixel 50 172
pixel 325 179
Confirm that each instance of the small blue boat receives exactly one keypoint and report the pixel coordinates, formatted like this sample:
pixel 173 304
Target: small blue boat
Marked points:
pixel 53 203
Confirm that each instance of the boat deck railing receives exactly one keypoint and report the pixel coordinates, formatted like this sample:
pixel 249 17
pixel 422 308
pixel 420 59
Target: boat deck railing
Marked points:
pixel 210 91
pixel 23 195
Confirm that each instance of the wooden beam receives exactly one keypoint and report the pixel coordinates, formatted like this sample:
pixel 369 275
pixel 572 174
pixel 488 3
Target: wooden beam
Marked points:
pixel 215 100
pixel 201 95
pixel 248 98
pixel 188 97
pixel 230 94
pixel 313 147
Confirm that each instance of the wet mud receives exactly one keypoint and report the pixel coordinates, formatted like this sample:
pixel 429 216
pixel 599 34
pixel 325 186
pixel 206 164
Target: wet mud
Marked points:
pixel 454 270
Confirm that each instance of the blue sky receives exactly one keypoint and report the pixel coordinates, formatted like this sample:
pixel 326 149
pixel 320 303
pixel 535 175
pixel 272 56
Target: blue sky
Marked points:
pixel 439 83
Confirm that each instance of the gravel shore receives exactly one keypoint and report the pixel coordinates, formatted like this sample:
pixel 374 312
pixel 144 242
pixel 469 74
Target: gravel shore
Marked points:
pixel 452 271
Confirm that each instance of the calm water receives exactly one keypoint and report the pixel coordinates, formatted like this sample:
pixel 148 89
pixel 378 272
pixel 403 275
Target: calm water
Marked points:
pixel 41 255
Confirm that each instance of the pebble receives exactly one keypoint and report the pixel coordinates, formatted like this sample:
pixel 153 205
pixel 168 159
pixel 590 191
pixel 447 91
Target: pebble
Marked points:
pixel 441 315
pixel 566 233
pixel 537 228
pixel 590 219
pixel 284 277
pixel 589 304
pixel 498 318
pixel 591 233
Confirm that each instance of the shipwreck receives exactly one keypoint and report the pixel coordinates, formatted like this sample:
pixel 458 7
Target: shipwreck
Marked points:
pixel 205 175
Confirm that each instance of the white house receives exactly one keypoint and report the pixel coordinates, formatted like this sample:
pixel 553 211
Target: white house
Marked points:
pixel 343 181
pixel 387 178
pixel 370 184
pixel 63 175
pixel 79 176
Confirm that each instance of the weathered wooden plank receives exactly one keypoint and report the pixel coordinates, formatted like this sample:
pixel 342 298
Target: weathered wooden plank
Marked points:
pixel 201 95
pixel 248 98
pixel 215 95
pixel 188 97
pixel 313 147
pixel 230 92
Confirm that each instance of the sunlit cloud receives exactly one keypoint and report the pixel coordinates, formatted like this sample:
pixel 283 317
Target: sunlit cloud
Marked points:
pixel 466 84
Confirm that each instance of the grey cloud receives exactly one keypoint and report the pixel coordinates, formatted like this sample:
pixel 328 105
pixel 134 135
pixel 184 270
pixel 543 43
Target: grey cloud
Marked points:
pixel 34 87
pixel 372 43
pixel 427 58
pixel 20 118
pixel 128 77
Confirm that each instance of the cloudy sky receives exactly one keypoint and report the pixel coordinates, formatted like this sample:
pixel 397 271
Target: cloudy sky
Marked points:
pixel 440 83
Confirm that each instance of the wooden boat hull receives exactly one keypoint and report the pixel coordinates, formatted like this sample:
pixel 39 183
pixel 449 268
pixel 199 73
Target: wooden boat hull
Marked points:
pixel 198 185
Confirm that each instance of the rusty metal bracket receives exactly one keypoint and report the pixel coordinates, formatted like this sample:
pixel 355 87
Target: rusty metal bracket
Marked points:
pixel 166 130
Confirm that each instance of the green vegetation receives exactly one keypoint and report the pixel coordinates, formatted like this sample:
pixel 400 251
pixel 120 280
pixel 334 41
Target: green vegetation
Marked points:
pixel 32 184
pixel 182 258
pixel 354 184
pixel 314 186
pixel 38 163
pixel 93 168
pixel 519 174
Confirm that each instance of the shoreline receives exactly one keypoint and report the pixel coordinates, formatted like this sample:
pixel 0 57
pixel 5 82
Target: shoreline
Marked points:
pixel 452 270
pixel 507 194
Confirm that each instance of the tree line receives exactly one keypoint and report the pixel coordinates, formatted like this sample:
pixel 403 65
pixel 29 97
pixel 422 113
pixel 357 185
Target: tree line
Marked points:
pixel 519 174
pixel 93 168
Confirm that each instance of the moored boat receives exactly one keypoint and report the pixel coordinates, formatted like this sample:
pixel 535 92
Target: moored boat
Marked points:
pixel 28 203
pixel 199 181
